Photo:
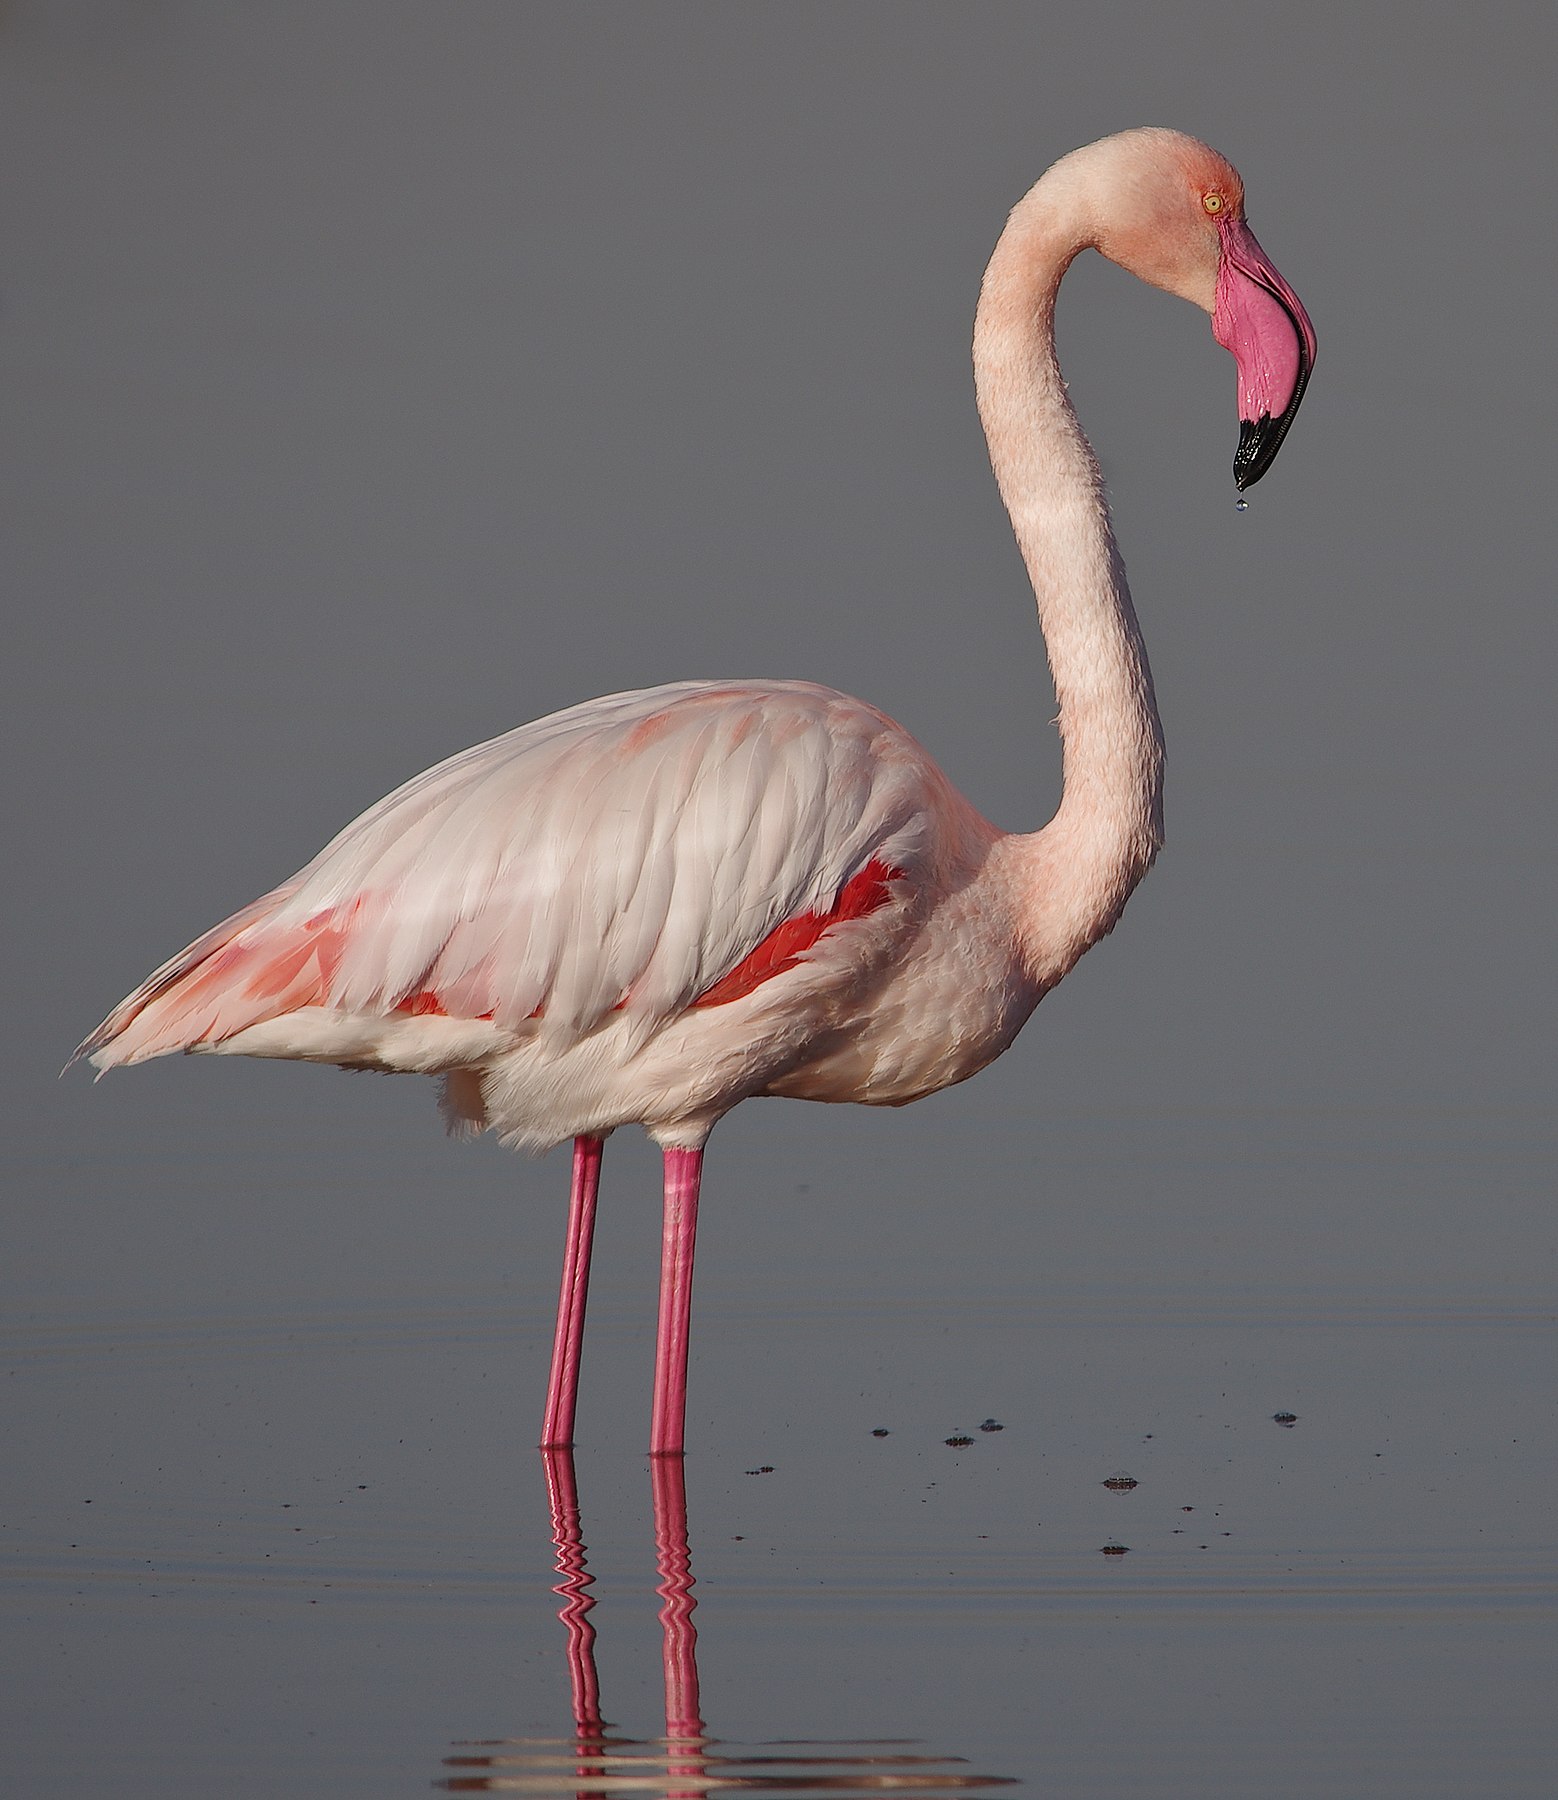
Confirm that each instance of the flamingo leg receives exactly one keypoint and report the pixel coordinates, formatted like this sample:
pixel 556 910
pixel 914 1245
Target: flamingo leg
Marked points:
pixel 668 1424
pixel 562 1390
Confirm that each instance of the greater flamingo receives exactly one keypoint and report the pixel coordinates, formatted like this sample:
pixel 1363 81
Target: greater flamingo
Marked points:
pixel 651 906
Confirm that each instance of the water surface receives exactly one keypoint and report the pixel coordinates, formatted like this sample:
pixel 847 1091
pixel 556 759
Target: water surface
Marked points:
pixel 269 1549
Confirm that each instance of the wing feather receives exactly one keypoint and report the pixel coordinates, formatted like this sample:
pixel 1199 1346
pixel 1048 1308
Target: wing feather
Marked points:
pixel 620 857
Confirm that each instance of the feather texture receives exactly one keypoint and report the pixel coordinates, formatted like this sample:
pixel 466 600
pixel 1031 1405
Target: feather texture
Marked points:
pixel 625 856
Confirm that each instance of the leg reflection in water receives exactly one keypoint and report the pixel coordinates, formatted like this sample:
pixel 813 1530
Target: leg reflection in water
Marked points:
pixel 574 1588
pixel 686 1764
pixel 683 1725
pixel 673 1559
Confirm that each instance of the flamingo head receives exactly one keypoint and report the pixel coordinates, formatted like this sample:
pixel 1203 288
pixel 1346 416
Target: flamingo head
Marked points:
pixel 1172 212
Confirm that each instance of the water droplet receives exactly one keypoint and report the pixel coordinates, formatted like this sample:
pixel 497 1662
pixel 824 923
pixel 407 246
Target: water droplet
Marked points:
pixel 1241 505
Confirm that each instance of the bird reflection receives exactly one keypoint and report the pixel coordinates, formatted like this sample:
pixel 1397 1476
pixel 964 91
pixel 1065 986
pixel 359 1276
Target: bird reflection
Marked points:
pixel 686 1764
pixel 673 1560
pixel 562 1492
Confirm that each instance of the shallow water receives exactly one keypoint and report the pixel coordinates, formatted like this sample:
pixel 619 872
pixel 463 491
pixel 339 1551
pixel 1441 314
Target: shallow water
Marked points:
pixel 270 1550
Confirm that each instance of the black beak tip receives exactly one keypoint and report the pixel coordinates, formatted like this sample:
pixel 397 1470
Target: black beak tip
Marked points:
pixel 1259 440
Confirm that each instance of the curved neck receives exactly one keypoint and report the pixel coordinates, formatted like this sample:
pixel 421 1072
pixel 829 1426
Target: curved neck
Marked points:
pixel 1109 825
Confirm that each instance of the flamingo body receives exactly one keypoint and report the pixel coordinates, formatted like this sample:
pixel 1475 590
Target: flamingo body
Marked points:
pixel 652 906
pixel 643 909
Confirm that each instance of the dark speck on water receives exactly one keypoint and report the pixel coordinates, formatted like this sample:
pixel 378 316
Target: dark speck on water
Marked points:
pixel 1285 1418
pixel 1114 1549
pixel 1121 1483
pixel 881 1431
pixel 767 1469
pixel 957 1443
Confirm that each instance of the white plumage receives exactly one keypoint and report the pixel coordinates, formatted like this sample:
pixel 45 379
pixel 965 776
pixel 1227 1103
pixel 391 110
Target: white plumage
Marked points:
pixel 590 875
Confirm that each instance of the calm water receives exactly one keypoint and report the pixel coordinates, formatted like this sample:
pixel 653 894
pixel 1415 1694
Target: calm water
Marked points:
pixel 277 1549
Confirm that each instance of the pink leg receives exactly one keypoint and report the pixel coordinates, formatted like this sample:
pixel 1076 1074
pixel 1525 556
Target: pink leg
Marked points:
pixel 563 1389
pixel 668 1425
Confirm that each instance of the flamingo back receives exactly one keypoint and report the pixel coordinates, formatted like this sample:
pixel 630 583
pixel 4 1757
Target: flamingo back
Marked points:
pixel 624 857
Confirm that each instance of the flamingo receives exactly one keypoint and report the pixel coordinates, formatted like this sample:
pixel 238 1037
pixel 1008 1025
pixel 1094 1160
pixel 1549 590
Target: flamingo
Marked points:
pixel 648 907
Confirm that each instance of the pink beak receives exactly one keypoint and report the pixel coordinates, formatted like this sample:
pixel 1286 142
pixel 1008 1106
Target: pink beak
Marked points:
pixel 1262 321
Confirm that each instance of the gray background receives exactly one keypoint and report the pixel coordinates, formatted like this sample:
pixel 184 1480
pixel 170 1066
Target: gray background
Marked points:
pixel 381 376
pixel 389 375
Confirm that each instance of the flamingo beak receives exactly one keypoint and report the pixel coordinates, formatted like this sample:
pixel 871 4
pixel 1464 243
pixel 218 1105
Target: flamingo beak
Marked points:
pixel 1262 321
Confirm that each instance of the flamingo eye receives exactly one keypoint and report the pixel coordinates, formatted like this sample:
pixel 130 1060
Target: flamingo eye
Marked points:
pixel 1214 203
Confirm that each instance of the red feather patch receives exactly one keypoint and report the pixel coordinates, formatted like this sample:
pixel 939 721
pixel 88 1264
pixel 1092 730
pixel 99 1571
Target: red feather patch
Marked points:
pixel 782 948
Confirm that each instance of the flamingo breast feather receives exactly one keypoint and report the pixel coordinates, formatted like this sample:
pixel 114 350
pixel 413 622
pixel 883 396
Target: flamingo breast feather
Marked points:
pixel 634 855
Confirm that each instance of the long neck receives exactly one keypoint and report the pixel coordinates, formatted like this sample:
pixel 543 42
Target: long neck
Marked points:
pixel 1082 867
